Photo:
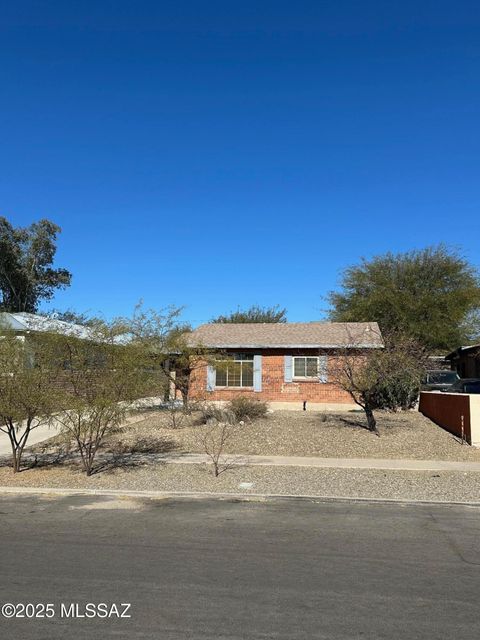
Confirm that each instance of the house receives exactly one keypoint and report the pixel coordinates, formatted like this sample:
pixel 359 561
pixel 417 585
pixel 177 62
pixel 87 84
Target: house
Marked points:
pixel 24 323
pixel 283 364
pixel 26 326
pixel 466 361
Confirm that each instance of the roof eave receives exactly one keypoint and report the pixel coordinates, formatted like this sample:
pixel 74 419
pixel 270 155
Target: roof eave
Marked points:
pixel 461 350
pixel 293 346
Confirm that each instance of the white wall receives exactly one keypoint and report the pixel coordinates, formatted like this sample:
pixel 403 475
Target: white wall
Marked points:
pixel 475 418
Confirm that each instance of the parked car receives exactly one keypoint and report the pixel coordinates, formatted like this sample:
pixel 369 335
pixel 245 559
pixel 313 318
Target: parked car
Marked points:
pixel 439 380
pixel 465 385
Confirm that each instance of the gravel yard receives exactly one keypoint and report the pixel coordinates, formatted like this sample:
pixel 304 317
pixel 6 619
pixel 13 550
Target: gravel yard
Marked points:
pixel 409 485
pixel 298 433
pixel 288 433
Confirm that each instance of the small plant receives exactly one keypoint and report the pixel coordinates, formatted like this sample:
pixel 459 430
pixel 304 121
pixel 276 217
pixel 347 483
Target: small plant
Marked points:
pixel 177 414
pixel 247 409
pixel 212 413
pixel 213 441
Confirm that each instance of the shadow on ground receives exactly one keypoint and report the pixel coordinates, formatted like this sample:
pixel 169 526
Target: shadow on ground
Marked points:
pixel 120 455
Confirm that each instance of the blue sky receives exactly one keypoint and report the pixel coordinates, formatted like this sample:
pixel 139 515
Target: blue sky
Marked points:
pixel 223 154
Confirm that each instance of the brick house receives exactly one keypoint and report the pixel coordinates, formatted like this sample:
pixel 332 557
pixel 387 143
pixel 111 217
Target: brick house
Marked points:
pixel 283 364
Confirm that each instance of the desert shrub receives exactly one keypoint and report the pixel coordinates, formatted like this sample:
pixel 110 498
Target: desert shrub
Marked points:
pixel 177 413
pixel 213 440
pixel 399 390
pixel 213 413
pixel 247 409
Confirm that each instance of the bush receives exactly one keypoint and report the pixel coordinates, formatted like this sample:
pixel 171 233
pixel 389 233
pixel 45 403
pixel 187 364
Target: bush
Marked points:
pixel 400 390
pixel 213 413
pixel 247 409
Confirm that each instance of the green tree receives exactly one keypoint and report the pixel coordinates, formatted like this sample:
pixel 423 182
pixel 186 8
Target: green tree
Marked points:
pixel 165 341
pixel 26 272
pixel 254 314
pixel 102 381
pixel 431 294
pixel 75 317
pixel 29 370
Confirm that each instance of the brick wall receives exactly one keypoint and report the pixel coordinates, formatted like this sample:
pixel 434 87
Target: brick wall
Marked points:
pixel 274 387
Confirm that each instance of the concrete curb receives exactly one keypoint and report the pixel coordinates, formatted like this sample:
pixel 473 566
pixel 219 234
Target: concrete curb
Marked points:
pixel 209 495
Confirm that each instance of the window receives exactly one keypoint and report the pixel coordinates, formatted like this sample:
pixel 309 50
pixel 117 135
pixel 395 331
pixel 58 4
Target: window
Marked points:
pixel 305 367
pixel 472 387
pixel 235 372
pixel 441 377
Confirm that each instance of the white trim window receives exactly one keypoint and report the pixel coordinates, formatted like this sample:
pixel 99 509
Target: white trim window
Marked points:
pixel 235 371
pixel 305 368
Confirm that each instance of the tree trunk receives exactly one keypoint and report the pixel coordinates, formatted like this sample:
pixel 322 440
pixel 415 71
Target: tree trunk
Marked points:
pixel 16 459
pixel 371 422
pixel 17 450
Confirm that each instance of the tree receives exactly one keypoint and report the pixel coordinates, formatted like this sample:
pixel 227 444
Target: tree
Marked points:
pixel 166 340
pixel 26 272
pixel 254 314
pixel 387 378
pixel 430 294
pixel 74 317
pixel 103 379
pixel 213 439
pixel 28 392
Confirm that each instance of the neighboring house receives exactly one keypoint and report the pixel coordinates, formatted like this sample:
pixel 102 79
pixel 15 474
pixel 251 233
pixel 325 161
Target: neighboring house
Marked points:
pixel 279 363
pixel 25 323
pixel 466 361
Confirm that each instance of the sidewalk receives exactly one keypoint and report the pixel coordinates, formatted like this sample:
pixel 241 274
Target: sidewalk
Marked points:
pixel 273 461
pixel 39 434
pixel 319 463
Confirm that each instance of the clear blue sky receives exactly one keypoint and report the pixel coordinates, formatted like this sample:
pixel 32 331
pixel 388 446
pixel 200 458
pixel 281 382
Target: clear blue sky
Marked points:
pixel 216 154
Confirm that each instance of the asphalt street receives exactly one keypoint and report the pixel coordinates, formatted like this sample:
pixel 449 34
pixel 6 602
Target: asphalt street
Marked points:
pixel 237 570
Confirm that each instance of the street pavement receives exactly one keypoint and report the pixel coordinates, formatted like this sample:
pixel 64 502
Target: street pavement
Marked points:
pixel 229 569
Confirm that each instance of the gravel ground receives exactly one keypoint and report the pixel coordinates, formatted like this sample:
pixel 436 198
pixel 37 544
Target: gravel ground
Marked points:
pixel 295 433
pixel 409 485
pixel 403 435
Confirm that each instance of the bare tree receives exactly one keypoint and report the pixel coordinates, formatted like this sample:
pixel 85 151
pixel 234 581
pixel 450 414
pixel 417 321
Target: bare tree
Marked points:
pixel 213 441
pixel 29 371
pixel 387 378
pixel 177 414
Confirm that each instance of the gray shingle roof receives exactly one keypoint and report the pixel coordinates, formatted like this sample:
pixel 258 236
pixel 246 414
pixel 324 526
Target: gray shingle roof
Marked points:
pixel 291 334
